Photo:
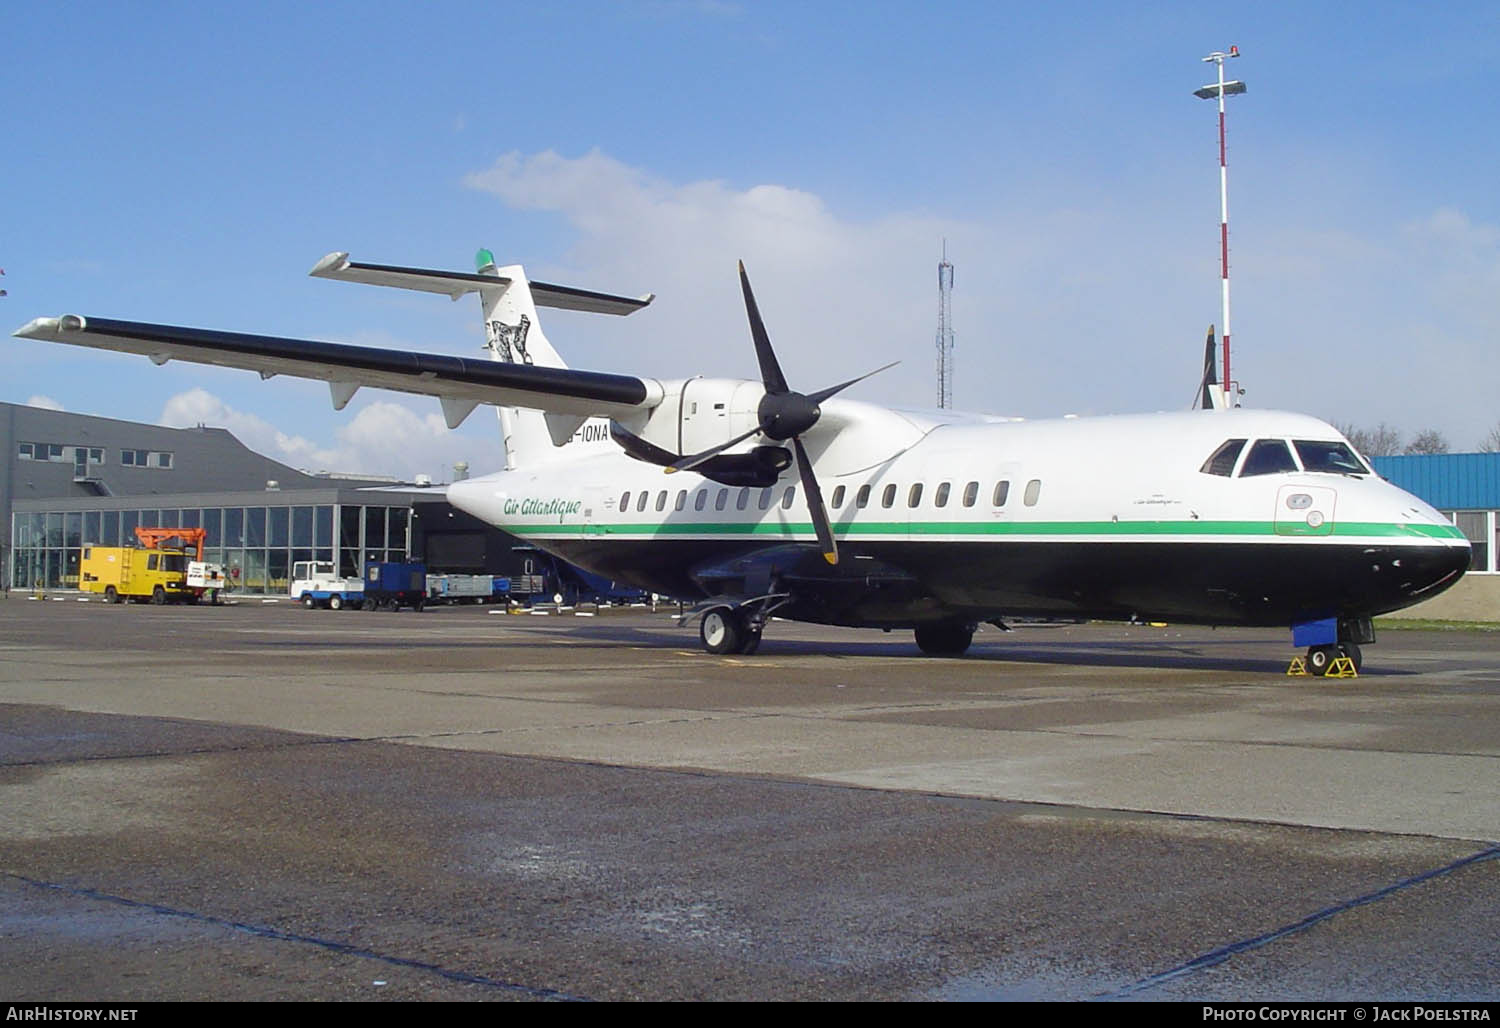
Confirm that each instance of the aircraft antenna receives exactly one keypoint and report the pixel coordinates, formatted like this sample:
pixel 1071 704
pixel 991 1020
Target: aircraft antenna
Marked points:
pixel 945 332
pixel 1217 91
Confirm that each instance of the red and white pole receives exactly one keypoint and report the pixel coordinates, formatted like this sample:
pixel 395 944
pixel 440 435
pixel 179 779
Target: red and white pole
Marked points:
pixel 1224 229
pixel 1223 88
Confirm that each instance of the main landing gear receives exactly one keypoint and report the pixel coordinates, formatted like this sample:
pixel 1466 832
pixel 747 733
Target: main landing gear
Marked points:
pixel 731 625
pixel 724 630
pixel 945 638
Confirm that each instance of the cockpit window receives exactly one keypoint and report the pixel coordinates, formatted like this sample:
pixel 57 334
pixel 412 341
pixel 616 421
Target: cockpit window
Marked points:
pixel 1222 461
pixel 1335 458
pixel 1268 457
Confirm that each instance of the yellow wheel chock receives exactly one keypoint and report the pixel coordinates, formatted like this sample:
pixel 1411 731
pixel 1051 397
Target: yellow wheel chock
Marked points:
pixel 1342 667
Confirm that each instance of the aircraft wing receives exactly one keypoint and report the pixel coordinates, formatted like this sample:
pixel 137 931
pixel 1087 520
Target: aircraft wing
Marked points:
pixel 461 383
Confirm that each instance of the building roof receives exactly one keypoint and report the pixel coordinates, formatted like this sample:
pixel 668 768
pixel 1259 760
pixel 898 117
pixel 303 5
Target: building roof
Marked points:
pixel 204 461
pixel 1448 481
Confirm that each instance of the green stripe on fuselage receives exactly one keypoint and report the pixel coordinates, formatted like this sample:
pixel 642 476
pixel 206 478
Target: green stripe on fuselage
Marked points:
pixel 1051 529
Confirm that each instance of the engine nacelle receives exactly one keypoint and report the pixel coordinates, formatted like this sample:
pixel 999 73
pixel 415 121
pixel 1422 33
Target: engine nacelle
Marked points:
pixel 700 413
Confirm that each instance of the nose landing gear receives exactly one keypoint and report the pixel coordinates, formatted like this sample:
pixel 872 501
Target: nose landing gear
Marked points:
pixel 1333 646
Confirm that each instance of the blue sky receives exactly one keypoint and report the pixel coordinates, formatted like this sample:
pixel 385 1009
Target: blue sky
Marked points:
pixel 188 163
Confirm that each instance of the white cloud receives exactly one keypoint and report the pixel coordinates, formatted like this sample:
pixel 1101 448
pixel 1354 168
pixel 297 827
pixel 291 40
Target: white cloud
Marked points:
pixel 382 438
pixel 44 402
pixel 821 281
pixel 1068 309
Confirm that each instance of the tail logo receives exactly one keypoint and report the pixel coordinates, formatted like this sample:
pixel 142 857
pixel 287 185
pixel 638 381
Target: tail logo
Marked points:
pixel 510 340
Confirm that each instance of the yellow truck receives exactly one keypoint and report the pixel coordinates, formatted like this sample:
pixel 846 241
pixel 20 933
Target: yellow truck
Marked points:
pixel 126 573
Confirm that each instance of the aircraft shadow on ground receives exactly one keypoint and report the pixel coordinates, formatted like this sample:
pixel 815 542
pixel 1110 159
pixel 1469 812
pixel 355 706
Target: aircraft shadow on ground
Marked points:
pixel 1230 654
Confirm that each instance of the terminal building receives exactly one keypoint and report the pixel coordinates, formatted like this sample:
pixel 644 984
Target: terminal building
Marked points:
pixel 75 479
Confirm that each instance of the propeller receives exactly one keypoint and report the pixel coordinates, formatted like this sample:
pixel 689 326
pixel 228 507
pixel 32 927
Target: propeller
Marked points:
pixel 783 414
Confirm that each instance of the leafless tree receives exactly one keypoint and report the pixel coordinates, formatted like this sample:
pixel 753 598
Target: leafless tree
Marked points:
pixel 1491 442
pixel 1428 441
pixel 1381 441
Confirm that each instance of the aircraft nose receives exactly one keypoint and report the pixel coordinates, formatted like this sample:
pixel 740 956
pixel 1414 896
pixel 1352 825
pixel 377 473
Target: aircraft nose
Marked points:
pixel 1435 571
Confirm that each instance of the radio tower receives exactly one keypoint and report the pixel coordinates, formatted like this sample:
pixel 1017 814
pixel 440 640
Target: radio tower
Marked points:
pixel 945 331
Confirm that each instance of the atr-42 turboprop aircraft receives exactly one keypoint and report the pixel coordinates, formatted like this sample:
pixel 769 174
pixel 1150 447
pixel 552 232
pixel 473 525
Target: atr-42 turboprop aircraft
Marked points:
pixel 814 507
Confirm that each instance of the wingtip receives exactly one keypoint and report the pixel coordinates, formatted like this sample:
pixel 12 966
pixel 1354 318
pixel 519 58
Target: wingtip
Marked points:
pixel 331 264
pixel 49 328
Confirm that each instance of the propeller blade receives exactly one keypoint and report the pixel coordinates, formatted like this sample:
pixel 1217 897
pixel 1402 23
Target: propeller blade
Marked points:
pixel 815 504
pixel 640 449
pixel 693 460
pixel 824 394
pixel 770 371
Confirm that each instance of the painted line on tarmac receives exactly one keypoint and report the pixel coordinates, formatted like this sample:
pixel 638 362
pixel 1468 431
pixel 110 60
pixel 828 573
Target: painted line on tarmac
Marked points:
pixel 332 945
pixel 1213 958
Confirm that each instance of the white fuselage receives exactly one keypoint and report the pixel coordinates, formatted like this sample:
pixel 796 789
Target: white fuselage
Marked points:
pixel 983 518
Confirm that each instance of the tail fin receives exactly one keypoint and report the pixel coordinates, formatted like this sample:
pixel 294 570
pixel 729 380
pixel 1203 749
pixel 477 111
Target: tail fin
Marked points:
pixel 512 334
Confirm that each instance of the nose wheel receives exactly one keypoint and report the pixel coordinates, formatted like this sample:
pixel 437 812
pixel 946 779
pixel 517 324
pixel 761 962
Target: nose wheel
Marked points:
pixel 1320 659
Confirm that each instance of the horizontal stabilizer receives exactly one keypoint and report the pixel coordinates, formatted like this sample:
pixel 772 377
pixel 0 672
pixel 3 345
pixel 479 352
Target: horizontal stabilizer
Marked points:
pixel 459 283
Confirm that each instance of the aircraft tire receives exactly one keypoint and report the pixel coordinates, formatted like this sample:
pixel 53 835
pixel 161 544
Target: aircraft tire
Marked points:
pixel 1321 658
pixel 947 639
pixel 751 643
pixel 722 631
pixel 1352 651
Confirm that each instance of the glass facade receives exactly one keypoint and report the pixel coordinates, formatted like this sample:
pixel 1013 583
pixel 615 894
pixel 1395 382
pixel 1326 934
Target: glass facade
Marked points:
pixel 256 545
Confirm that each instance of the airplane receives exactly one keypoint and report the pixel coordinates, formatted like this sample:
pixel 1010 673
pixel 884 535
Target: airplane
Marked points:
pixel 759 501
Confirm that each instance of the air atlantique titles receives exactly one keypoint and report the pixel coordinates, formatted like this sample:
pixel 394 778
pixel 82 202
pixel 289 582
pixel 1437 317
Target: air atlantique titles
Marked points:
pixel 530 507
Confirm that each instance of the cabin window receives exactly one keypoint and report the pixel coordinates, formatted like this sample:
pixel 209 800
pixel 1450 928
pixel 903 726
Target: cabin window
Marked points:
pixel 788 496
pixel 640 501
pixel 701 500
pixel 151 562
pixel 1033 492
pixel 765 498
pixel 661 501
pixel 940 498
pixel 838 497
pixel 914 495
pixel 1002 493
pixel 1268 457
pixel 625 501
pixel 681 499
pixel 1335 458
pixel 722 500
pixel 971 494
pixel 743 499
pixel 888 496
pixel 862 498
pixel 1222 461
